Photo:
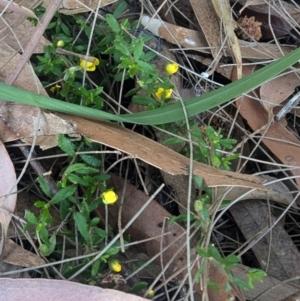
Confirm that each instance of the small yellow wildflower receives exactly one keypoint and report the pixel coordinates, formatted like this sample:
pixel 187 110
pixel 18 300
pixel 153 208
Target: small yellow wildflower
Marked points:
pixel 89 66
pixel 115 265
pixel 109 197
pixel 54 88
pixel 162 93
pixel 60 43
pixel 171 68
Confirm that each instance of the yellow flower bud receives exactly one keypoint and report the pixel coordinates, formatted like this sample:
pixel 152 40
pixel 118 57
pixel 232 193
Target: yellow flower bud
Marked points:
pixel 162 93
pixel 60 43
pixel 109 197
pixel 171 68
pixel 115 265
pixel 150 294
pixel 89 66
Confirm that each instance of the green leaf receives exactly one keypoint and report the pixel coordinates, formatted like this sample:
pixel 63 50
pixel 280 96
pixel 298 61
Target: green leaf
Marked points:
pixel 31 220
pixel 74 167
pixel 77 180
pixel 143 100
pixel 111 252
pixel 39 204
pixel 66 145
pixel 82 225
pixel 173 140
pixel 95 267
pixel 163 115
pixel 138 49
pixel 44 185
pixel 91 160
pixel 112 23
pixel 119 10
pixel 198 182
pixel 137 287
pixel 63 194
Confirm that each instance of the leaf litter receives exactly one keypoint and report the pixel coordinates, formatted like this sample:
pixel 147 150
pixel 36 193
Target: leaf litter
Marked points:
pixel 258 114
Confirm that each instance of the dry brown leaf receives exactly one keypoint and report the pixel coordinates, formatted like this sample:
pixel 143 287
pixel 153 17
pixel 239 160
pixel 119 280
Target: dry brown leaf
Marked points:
pixel 16 30
pixel 157 155
pixel 210 25
pixel 58 290
pixel 16 255
pixel 193 39
pixel 280 141
pixel 8 196
pixel 20 10
pixel 19 121
pixel 277 90
pixel 223 10
pixel 72 7
pixel 277 254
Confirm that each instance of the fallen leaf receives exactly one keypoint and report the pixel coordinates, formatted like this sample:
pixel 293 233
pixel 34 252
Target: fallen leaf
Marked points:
pixel 20 10
pixel 16 31
pixel 277 254
pixel 277 90
pixel 210 25
pixel 195 40
pixel 16 255
pixel 8 196
pixel 157 155
pixel 279 140
pixel 72 7
pixel 59 290
pixel 20 121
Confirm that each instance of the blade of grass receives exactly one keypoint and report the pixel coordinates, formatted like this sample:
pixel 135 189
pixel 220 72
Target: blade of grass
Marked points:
pixel 162 115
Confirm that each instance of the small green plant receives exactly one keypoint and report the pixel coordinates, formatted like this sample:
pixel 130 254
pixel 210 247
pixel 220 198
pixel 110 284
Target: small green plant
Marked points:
pixel 74 206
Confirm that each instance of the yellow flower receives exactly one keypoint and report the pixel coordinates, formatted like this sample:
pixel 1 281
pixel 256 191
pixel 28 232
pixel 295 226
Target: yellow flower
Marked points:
pixel 115 265
pixel 89 66
pixel 162 93
pixel 54 88
pixel 109 197
pixel 60 43
pixel 171 68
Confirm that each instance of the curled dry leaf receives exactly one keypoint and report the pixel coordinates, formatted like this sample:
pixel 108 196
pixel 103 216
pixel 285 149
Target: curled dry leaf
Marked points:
pixel 58 290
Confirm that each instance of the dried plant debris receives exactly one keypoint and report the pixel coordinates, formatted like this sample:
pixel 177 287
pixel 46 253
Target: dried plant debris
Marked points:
pixel 249 29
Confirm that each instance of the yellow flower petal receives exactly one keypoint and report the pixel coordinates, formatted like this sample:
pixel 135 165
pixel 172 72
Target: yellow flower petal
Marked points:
pixel 171 68
pixel 89 66
pixel 115 265
pixel 109 197
pixel 163 93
